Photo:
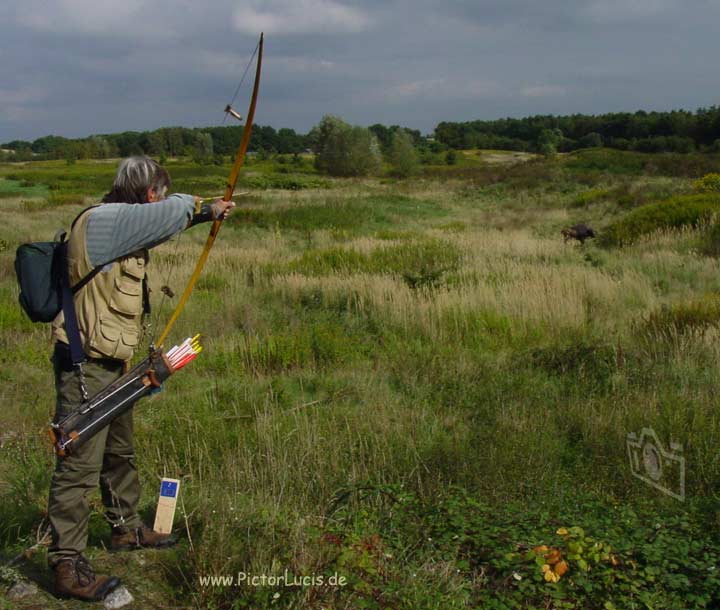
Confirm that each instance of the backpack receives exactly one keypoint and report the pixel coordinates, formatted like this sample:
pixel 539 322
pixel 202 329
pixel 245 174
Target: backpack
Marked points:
pixel 40 268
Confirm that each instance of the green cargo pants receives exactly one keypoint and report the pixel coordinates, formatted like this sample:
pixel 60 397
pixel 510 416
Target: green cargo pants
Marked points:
pixel 108 458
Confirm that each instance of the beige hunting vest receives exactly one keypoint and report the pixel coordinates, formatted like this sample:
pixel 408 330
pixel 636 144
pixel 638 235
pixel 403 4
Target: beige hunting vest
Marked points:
pixel 109 307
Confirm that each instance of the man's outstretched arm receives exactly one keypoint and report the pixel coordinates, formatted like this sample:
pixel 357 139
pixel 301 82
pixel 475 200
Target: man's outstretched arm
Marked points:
pixel 117 229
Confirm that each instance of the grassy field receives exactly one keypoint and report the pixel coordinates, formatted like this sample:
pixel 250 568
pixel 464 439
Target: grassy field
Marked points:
pixel 414 384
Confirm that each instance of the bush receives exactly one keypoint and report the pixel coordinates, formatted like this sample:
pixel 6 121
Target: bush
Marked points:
pixel 588 197
pixel 626 196
pixel 403 156
pixel 680 211
pixel 709 183
pixel 607 161
pixel 548 142
pixel 591 140
pixel 344 150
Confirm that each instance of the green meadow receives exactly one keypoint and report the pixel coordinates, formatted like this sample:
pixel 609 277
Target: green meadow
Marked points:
pixel 414 384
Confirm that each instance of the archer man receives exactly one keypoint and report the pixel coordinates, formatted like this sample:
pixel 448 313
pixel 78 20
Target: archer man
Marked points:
pixel 115 236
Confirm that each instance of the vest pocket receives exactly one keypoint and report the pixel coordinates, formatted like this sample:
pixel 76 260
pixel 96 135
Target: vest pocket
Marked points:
pixel 134 266
pixel 127 297
pixel 129 338
pixel 114 340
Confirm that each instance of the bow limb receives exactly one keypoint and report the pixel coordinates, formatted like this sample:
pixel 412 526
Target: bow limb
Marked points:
pixel 229 189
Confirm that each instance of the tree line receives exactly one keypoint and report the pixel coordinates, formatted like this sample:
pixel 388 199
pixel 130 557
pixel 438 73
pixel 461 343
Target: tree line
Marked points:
pixel 203 144
pixel 342 149
pixel 676 131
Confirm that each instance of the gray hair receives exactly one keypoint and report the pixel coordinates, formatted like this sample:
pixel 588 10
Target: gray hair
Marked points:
pixel 135 175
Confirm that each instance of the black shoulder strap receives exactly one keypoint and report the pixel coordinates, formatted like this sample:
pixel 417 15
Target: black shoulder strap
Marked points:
pixel 68 302
pixel 94 271
pixel 68 308
pixel 87 209
pixel 87 278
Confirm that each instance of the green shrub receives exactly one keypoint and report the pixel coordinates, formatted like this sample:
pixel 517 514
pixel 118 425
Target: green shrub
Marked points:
pixel 606 160
pixel 402 155
pixel 680 211
pixel 588 197
pixel 709 183
pixel 345 150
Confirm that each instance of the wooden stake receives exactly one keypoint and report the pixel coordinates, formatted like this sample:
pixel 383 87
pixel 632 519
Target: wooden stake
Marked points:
pixel 169 489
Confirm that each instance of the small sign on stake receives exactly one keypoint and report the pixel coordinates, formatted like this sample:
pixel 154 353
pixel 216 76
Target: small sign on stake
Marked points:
pixel 169 489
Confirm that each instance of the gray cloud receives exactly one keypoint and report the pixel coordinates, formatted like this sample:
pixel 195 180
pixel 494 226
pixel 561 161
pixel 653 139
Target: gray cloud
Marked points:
pixel 76 67
pixel 298 16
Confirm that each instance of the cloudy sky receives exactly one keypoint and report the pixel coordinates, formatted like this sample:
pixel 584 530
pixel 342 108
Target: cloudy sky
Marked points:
pixel 78 67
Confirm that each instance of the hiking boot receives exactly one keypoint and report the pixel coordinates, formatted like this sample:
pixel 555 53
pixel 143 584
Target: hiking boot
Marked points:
pixel 74 577
pixel 130 539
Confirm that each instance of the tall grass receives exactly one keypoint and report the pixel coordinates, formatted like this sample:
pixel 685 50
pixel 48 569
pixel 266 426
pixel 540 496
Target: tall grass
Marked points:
pixel 380 337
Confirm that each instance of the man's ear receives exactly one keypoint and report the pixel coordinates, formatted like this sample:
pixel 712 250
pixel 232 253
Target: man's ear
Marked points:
pixel 151 195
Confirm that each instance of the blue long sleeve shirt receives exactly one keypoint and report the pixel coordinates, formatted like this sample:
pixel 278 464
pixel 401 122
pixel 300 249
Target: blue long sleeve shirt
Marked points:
pixel 117 229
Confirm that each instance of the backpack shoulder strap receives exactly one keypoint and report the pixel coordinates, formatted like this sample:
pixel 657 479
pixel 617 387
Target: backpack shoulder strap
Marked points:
pixel 94 271
pixel 68 307
pixel 87 209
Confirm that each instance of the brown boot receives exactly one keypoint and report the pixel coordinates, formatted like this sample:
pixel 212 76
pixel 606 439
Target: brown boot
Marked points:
pixel 124 539
pixel 74 577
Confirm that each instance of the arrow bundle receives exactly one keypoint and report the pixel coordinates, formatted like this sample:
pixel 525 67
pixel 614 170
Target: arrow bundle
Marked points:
pixel 186 352
pixel 117 398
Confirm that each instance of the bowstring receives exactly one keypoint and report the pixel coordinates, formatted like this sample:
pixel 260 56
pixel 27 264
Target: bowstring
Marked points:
pixel 242 79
